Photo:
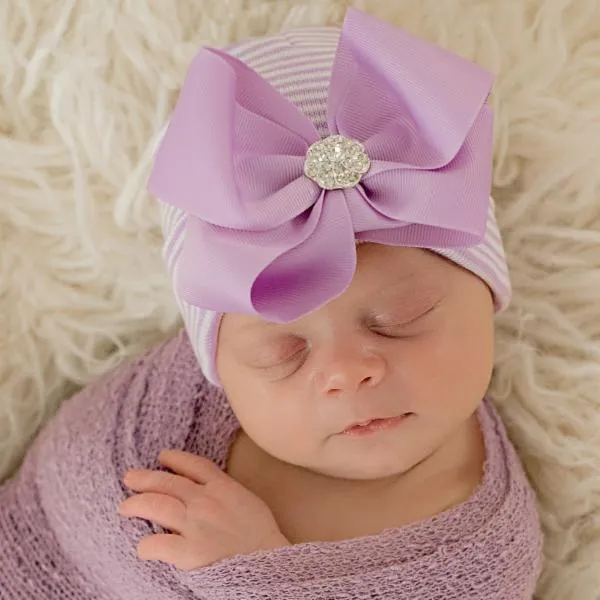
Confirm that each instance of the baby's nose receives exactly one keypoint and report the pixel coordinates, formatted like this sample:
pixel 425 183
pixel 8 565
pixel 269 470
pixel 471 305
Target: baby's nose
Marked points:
pixel 349 369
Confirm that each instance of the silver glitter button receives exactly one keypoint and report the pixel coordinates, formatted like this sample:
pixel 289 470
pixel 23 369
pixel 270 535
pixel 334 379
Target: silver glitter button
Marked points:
pixel 336 162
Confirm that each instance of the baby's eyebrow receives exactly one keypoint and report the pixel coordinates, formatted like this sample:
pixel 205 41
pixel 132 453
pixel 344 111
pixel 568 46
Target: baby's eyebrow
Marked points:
pixel 409 285
pixel 257 324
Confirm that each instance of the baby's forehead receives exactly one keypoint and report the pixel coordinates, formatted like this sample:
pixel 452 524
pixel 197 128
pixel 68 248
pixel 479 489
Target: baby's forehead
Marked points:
pixel 381 268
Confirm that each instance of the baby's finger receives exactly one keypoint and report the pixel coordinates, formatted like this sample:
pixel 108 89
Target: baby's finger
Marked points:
pixel 166 511
pixel 169 548
pixel 198 469
pixel 144 480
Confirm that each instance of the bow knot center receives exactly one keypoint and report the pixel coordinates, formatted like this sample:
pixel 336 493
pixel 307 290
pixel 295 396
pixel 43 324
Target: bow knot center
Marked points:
pixel 336 162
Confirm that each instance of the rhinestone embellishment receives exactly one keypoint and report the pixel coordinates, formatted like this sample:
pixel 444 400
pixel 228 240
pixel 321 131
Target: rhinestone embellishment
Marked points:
pixel 336 162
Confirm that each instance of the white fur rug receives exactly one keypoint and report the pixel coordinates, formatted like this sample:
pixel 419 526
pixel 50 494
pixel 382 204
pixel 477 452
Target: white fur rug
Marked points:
pixel 86 85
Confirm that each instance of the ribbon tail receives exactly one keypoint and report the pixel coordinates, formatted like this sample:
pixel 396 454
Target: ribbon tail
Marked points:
pixel 313 272
pixel 288 272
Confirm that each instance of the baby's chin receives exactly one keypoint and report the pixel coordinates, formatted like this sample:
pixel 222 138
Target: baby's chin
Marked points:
pixel 358 466
pixel 370 468
pixel 376 456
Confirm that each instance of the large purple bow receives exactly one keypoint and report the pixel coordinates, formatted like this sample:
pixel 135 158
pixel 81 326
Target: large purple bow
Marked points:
pixel 261 237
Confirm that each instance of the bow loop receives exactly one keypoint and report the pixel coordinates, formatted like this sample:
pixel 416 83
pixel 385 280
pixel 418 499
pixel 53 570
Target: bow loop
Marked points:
pixel 409 86
pixel 226 117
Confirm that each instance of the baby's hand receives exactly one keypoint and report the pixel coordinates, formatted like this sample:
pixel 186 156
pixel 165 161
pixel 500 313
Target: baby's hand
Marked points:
pixel 211 516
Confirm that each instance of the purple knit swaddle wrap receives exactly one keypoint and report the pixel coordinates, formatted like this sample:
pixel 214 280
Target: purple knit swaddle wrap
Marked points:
pixel 231 164
pixel 61 537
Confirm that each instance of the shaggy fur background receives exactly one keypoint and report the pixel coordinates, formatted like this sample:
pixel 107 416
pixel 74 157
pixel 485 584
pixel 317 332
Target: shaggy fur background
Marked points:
pixel 85 86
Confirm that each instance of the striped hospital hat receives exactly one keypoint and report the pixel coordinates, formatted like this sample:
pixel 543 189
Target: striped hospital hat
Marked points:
pixel 282 149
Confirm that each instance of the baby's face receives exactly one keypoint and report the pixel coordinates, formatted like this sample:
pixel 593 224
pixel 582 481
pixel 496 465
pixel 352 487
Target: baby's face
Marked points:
pixel 412 336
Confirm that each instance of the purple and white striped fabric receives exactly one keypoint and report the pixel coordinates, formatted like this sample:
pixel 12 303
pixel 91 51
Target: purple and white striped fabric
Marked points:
pixel 298 64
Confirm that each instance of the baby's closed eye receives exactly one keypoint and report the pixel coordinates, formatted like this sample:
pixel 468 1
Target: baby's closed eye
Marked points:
pixel 275 352
pixel 398 324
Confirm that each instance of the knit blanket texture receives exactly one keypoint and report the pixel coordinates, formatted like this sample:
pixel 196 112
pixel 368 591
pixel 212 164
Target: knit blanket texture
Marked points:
pixel 61 537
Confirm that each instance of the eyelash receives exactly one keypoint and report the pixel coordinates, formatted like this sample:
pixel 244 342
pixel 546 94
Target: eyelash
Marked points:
pixel 292 357
pixel 402 326
pixel 285 361
pixel 390 336
pixel 282 371
pixel 395 332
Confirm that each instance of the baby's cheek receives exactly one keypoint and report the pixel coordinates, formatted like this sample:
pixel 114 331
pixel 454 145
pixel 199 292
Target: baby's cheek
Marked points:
pixel 447 370
pixel 465 356
pixel 428 369
pixel 279 425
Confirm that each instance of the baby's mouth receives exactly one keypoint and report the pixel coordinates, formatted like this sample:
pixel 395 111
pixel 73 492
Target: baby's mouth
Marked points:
pixel 375 425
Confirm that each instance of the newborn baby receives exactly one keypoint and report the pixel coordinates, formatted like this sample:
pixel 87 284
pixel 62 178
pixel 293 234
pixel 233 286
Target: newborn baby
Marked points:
pixel 358 417
pixel 371 398
pixel 320 429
